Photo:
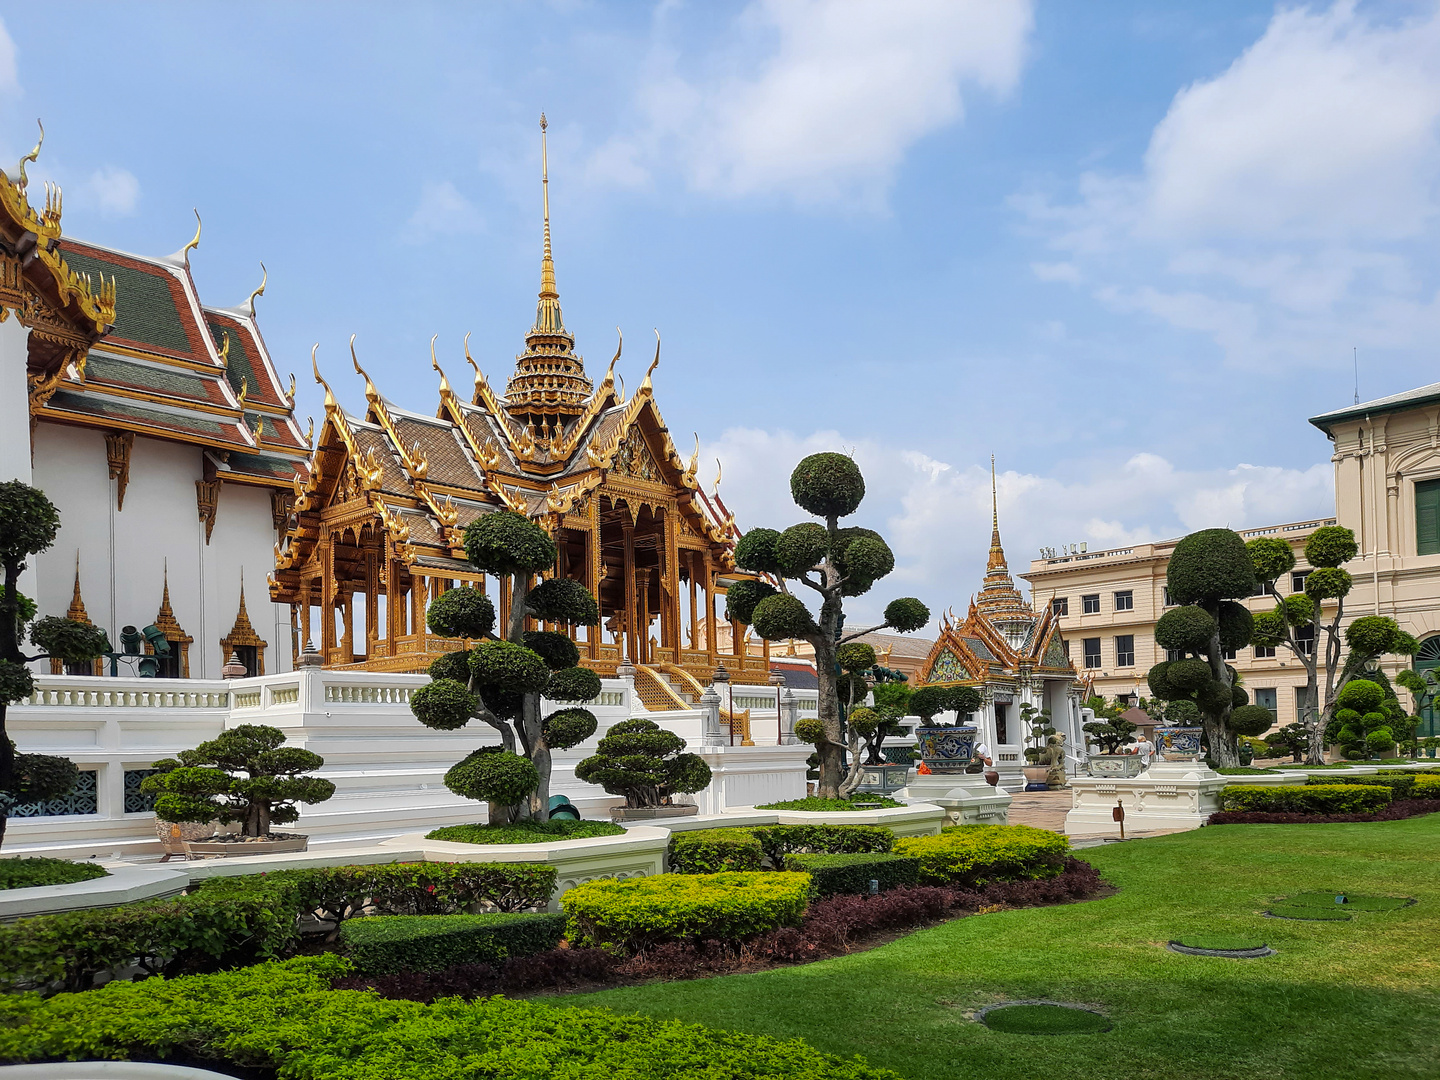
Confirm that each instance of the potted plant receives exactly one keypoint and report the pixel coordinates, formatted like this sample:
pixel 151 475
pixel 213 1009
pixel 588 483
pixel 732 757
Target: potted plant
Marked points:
pixel 642 761
pixel 1037 730
pixel 244 777
pixel 1113 732
pixel 945 748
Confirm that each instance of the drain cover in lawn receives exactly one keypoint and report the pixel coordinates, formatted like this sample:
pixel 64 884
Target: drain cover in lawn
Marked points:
pixel 1221 945
pixel 1328 907
pixel 1043 1018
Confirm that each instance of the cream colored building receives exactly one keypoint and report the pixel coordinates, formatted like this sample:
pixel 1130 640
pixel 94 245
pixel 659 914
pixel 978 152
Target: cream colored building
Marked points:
pixel 1109 601
pixel 1387 490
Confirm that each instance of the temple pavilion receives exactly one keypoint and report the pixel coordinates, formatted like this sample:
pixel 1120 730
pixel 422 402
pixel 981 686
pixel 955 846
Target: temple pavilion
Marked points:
pixel 378 523
pixel 1012 655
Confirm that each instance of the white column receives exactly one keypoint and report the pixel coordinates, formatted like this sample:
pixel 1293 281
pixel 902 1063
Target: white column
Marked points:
pixel 14 401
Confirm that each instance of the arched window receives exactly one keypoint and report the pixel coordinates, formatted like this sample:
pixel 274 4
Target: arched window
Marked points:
pixel 1426 658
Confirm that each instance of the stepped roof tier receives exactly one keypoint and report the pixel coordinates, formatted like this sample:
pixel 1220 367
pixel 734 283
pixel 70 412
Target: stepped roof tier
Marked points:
pixel 390 493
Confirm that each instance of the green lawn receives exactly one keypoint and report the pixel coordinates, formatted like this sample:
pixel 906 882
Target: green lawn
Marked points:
pixel 1352 1000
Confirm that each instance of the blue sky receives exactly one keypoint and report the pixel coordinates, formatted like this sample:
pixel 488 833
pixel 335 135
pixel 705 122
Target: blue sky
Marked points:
pixel 1125 247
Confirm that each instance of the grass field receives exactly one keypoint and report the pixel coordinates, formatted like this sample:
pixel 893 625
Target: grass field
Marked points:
pixel 1353 1000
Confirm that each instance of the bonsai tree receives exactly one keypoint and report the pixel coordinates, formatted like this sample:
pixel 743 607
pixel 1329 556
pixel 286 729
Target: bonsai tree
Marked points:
pixel 1038 730
pixel 929 701
pixel 1291 739
pixel 833 563
pixel 643 762
pixel 28 524
pixel 891 696
pixel 1369 719
pixel 1208 571
pixel 502 680
pixel 1109 728
pixel 245 775
pixel 1296 622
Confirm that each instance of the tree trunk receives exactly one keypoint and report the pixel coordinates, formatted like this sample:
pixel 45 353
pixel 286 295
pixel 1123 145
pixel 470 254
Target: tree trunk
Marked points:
pixel 828 706
pixel 1223 746
pixel 9 650
pixel 537 807
pixel 1314 718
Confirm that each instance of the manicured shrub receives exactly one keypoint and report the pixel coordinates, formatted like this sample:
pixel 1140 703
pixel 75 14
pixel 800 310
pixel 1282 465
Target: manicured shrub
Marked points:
pixel 565 728
pixel 781 840
pixel 642 761
pixel 1426 787
pixel 1401 784
pixel 29 873
pixel 827 484
pixel 493 774
pixel 388 944
pixel 975 854
pixel 248 918
pixel 741 597
pixel 284 1017
pixel 461 613
pixel 830 874
pixel 711 851
pixel 637 913
pixel 525 832
pixel 1322 798
pixel 563 600
pixel 815 803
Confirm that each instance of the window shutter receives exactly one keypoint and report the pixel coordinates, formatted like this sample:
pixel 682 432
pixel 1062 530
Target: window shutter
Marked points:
pixel 1427 517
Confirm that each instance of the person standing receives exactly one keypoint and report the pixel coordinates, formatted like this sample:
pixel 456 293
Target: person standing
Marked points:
pixel 1146 749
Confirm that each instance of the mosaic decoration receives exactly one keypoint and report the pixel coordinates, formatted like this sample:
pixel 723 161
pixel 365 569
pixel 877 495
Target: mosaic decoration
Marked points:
pixel 1055 654
pixel 84 799
pixel 137 801
pixel 633 458
pixel 1178 743
pixel 948 668
pixel 946 749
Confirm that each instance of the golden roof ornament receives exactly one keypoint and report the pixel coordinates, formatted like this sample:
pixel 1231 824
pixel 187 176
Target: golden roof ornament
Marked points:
pixel 314 366
pixel 264 278
pixel 184 254
pixel 34 155
pixel 371 394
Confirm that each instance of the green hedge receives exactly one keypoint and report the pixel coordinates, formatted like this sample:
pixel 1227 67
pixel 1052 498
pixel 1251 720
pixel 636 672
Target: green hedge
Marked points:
pixel 29 873
pixel 636 913
pixel 781 840
pixel 525 832
pixel 712 851
pixel 284 1017
pixel 1399 783
pixel 390 944
pixel 1426 787
pixel 831 874
pixel 1306 799
pixel 815 804
pixel 978 854
pixel 248 918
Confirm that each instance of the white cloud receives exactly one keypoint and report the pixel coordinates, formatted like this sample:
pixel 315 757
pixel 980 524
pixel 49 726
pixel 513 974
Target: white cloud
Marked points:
pixel 845 88
pixel 1287 207
pixel 936 514
pixel 112 190
pixel 443 211
pixel 9 65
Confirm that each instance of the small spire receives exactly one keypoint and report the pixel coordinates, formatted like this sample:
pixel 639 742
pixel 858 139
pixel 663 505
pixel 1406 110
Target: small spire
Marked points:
pixel 997 553
pixel 547 261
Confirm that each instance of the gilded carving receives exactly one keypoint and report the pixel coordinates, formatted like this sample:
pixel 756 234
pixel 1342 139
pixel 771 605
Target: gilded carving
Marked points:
pixel 207 501
pixel 118 445
pixel 633 458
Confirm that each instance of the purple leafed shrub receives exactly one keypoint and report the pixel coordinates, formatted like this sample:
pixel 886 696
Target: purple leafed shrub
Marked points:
pixel 1406 808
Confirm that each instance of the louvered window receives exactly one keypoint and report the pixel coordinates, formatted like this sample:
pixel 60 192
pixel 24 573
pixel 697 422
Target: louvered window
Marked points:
pixel 1427 517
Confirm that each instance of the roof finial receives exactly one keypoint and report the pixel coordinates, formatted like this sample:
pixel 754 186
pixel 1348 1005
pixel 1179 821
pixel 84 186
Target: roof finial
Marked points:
pixel 264 277
pixel 547 262
pixel 314 366
pixel 33 155
pixel 370 392
pixel 195 243
pixel 994 503
pixel 434 363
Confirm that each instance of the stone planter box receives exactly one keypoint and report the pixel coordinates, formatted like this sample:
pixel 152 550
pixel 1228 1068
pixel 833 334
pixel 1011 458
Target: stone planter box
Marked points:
pixel 883 779
pixel 215 849
pixel 917 819
pixel 1114 765
pixel 620 814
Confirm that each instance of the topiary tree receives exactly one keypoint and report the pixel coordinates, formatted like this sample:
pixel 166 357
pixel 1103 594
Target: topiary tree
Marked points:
pixel 1109 728
pixel 834 563
pixel 1208 571
pixel 1297 621
pixel 503 680
pixel 1038 729
pixel 28 524
pixel 244 775
pixel 643 762
pixel 1292 739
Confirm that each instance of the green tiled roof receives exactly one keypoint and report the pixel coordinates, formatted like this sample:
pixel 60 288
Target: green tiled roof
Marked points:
pixel 261 465
pixel 144 308
pixel 172 382
pixel 72 402
pixel 240 366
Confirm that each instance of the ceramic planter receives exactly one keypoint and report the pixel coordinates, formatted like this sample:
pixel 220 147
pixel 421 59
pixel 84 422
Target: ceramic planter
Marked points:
pixel 1178 743
pixel 1035 777
pixel 883 779
pixel 946 749
pixel 217 849
pixel 651 813
pixel 1114 765
pixel 174 835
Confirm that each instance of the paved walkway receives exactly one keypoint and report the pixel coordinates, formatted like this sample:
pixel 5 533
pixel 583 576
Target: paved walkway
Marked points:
pixel 1047 810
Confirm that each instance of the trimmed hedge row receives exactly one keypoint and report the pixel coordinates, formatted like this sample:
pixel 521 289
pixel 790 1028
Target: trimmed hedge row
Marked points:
pixel 970 855
pixel 390 944
pixel 284 1017
pixel 1400 784
pixel 1426 787
pixel 637 913
pixel 712 851
pixel 832 874
pixel 30 873
pixel 246 919
pixel 1306 799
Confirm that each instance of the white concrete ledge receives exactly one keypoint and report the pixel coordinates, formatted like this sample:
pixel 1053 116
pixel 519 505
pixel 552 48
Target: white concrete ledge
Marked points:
pixel 124 885
pixel 106 1070
pixel 916 819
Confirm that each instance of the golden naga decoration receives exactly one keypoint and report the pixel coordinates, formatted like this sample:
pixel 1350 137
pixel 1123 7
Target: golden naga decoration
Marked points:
pixel 507 496
pixel 290 394
pixel 718 469
pixel 371 394
pixel 32 157
pixel 310 432
pixel 489 455
pixel 556 500
pixel 330 404
pixel 692 466
pixel 284 558
pixel 483 394
pixel 194 243
pixel 447 512
pixel 646 386
pixel 259 427
pixel 264 278
pixel 445 391
pixel 225 350
pixel 244 389
pixel 372 472
pixel 43 387
pixel 416 461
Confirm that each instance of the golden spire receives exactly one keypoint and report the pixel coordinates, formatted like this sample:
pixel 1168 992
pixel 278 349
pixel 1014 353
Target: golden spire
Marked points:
pixel 999 599
pixel 76 610
pixel 997 553
pixel 547 262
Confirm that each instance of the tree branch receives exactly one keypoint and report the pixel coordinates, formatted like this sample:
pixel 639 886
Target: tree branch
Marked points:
pixel 861 633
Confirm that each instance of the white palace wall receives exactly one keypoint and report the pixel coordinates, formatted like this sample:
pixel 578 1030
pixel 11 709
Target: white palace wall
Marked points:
pixel 388 769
